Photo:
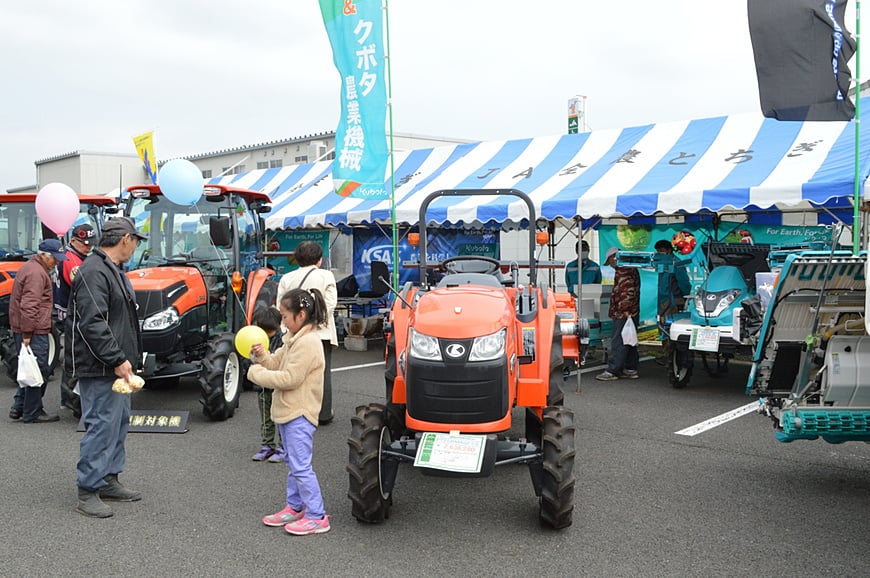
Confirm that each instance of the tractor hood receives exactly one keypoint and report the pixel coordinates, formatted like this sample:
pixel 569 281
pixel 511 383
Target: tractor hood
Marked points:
pixel 158 278
pixel 160 287
pixel 462 312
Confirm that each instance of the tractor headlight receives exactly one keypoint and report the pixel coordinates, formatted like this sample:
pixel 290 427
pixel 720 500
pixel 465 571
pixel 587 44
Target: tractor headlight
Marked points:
pixel 488 347
pixel 723 301
pixel 161 320
pixel 424 347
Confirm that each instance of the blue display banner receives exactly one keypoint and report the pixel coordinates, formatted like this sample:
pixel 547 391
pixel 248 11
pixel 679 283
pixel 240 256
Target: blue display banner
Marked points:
pixel 356 33
pixel 372 245
pixel 287 241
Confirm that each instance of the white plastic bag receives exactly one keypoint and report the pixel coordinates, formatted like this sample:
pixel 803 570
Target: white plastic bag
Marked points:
pixel 28 368
pixel 629 333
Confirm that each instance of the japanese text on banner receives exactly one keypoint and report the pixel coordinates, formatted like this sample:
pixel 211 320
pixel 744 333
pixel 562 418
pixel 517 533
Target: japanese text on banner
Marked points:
pixel 356 33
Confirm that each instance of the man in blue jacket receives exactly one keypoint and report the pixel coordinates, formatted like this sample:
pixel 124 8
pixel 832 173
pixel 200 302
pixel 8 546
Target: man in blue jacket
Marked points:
pixel 106 344
pixel 588 271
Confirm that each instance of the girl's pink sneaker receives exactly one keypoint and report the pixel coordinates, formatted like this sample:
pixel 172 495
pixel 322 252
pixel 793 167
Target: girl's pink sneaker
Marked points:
pixel 282 518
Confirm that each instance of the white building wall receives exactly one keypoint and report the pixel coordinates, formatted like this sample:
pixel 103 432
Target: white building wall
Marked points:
pixel 91 173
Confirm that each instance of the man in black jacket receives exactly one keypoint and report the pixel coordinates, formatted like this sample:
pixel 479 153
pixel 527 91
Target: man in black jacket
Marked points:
pixel 106 345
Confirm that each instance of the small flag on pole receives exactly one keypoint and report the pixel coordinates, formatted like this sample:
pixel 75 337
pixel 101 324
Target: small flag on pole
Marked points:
pixel 356 33
pixel 801 51
pixel 145 149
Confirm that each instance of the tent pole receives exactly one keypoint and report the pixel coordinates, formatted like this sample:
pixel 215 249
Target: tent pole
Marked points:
pixel 395 230
pixel 856 218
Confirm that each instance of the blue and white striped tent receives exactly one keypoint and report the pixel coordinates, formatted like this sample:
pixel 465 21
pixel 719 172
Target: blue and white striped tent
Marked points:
pixel 739 162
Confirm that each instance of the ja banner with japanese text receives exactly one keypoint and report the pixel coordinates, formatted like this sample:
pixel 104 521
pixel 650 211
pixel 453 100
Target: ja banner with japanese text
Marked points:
pixel 356 33
pixel 145 149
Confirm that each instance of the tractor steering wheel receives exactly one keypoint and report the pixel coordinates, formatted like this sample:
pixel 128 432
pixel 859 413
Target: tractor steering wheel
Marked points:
pixel 465 264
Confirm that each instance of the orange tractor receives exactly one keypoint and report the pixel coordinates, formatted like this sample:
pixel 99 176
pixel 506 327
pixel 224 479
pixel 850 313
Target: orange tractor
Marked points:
pixel 197 280
pixel 21 231
pixel 462 355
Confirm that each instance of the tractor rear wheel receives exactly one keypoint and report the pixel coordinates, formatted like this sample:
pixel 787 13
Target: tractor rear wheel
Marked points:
pixel 220 378
pixel 557 488
pixel 12 361
pixel 369 434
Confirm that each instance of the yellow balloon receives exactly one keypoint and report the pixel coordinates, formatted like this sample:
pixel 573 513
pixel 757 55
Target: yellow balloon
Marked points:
pixel 247 337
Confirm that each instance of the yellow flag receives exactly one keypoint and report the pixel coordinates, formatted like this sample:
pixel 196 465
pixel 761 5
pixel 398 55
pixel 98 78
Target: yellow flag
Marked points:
pixel 145 149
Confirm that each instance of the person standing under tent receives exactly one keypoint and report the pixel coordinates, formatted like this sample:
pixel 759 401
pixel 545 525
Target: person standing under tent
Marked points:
pixel 587 270
pixel 624 305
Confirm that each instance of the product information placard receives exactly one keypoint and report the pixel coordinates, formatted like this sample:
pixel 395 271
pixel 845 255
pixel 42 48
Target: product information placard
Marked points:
pixel 452 452
pixel 704 339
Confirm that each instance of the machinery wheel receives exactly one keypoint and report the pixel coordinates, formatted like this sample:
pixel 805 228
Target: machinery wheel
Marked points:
pixel 555 396
pixel 220 378
pixel 679 368
pixel 557 488
pixel 53 349
pixel 369 433
pixel 395 412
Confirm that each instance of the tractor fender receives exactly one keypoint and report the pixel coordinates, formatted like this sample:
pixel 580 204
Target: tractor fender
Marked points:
pixel 262 291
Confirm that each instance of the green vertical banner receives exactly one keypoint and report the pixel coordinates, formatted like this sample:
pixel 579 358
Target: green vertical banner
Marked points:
pixel 356 33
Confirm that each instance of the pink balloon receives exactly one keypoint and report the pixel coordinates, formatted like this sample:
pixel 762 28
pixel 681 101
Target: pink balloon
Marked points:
pixel 57 206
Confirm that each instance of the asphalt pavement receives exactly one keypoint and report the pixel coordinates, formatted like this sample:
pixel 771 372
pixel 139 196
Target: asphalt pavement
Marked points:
pixel 731 501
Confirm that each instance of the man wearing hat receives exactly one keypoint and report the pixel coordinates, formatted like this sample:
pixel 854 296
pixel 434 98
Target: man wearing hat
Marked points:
pixel 81 241
pixel 106 344
pixel 624 305
pixel 30 320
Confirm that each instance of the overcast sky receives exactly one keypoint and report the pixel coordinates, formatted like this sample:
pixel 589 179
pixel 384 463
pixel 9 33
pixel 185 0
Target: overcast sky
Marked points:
pixel 212 75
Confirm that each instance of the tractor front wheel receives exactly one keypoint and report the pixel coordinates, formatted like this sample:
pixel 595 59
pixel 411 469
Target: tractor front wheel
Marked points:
pixel 557 488
pixel 371 500
pixel 220 378
pixel 679 367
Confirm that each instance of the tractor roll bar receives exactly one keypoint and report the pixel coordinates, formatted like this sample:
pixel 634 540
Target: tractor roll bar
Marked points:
pixel 471 193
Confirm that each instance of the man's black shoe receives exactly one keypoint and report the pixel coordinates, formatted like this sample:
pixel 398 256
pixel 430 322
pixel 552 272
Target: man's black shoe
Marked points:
pixel 14 413
pixel 41 418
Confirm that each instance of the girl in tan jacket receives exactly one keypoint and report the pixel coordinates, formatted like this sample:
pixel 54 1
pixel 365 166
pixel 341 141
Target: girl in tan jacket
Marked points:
pixel 295 372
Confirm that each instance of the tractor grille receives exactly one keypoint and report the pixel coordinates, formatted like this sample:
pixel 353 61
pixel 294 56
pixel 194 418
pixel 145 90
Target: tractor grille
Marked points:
pixel 466 393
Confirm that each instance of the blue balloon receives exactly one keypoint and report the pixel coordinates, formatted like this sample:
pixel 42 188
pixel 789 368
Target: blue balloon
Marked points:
pixel 181 182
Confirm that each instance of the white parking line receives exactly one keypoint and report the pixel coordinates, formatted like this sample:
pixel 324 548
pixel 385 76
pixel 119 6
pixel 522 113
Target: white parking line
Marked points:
pixel 719 420
pixel 349 367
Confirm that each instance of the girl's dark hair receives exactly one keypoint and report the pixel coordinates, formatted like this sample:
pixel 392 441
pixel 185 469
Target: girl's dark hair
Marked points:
pixel 308 253
pixel 267 318
pixel 308 300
